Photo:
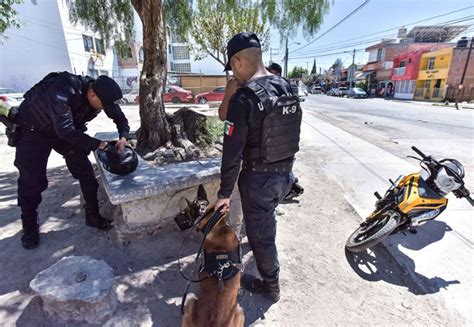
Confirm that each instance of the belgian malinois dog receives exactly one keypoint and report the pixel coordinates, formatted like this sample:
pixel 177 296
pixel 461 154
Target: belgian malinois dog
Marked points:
pixel 217 304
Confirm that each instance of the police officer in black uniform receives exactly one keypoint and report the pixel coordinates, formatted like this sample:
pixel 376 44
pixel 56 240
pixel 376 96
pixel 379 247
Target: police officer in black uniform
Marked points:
pixel 53 116
pixel 261 132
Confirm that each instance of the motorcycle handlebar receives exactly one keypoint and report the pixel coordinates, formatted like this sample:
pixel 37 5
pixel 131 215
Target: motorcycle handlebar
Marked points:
pixel 414 148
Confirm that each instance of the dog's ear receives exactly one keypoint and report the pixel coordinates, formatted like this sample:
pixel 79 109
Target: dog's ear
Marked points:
pixel 202 195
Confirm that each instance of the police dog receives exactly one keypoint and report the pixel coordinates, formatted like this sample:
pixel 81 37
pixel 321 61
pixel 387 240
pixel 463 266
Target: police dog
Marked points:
pixel 216 306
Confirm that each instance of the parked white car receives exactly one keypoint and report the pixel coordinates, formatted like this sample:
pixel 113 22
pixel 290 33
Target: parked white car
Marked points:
pixel 10 97
pixel 130 97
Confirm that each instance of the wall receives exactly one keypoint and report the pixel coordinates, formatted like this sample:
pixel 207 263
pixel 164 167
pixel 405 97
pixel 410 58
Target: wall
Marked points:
pixel 46 42
pixel 199 83
pixel 36 49
pixel 79 58
pixel 456 69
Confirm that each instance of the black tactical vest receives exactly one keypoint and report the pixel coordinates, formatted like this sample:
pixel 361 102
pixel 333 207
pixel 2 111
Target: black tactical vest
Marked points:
pixel 43 94
pixel 281 126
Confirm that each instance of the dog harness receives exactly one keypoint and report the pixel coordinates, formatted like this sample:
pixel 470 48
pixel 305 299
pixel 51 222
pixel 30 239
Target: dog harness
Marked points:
pixel 222 265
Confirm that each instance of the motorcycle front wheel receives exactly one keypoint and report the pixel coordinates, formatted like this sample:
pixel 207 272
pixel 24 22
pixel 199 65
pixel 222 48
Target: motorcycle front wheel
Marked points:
pixel 373 232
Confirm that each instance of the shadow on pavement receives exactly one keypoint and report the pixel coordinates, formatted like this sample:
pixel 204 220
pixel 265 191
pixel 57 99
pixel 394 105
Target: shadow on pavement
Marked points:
pixel 379 264
pixel 148 285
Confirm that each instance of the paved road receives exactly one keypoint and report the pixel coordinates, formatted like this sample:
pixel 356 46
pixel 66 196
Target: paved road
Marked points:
pixel 366 142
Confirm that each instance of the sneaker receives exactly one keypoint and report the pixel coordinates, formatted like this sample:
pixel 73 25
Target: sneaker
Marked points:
pixel 270 290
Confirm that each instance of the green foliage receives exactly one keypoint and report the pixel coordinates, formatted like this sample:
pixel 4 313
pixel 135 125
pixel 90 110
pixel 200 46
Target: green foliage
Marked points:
pixel 289 15
pixel 103 17
pixel 215 22
pixel 337 64
pixel 297 72
pixel 8 16
pixel 313 70
pixel 361 85
pixel 210 131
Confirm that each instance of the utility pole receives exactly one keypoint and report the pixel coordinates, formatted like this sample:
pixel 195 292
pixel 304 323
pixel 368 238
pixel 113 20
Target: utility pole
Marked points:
pixel 352 67
pixel 461 86
pixel 286 57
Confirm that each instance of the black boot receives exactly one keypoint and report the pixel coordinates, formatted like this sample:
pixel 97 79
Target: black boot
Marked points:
pixel 30 237
pixel 270 290
pixel 94 219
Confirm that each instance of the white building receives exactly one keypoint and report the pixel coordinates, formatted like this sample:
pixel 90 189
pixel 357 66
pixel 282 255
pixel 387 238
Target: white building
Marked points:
pixel 46 42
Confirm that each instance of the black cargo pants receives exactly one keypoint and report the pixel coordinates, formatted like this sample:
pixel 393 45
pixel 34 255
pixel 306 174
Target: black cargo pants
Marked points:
pixel 32 152
pixel 260 194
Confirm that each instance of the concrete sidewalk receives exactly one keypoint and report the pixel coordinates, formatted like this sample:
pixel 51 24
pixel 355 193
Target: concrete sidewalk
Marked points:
pixel 361 168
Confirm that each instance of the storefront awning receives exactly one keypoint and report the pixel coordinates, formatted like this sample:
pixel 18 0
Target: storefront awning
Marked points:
pixel 363 76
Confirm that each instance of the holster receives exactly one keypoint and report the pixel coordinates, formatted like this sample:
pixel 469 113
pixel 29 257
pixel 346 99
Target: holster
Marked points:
pixel 12 129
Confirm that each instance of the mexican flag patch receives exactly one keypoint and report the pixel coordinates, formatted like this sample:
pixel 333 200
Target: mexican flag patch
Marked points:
pixel 228 128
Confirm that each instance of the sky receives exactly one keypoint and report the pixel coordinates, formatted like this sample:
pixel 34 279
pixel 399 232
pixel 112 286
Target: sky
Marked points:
pixel 376 16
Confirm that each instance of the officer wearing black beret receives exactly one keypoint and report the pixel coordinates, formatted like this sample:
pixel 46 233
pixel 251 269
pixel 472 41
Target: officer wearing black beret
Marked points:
pixel 53 116
pixel 262 131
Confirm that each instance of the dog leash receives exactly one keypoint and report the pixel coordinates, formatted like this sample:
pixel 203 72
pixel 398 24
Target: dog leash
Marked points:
pixel 211 223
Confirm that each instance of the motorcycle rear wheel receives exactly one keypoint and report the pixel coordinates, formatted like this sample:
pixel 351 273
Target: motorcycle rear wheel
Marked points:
pixel 374 232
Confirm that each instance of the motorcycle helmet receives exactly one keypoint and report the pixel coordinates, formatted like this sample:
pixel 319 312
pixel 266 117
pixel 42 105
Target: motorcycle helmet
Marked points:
pixel 449 176
pixel 118 162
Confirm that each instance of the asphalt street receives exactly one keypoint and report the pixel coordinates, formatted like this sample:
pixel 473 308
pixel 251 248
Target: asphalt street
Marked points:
pixel 365 142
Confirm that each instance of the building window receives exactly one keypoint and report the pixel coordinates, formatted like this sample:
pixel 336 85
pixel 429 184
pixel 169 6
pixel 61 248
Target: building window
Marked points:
pixel 402 64
pixel 180 52
pixel 99 46
pixel 88 43
pixel 380 54
pixel 431 63
pixel 126 52
pixel 181 68
pixel 169 48
pixel 141 55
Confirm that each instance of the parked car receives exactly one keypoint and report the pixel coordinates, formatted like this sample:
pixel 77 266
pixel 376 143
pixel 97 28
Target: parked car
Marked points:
pixel 215 95
pixel 316 90
pixel 130 97
pixel 357 93
pixel 343 91
pixel 177 94
pixel 174 94
pixel 10 97
pixel 334 92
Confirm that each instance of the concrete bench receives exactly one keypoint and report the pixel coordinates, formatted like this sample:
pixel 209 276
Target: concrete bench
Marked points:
pixel 151 197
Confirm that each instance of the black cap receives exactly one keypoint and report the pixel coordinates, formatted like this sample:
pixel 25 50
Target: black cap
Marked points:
pixel 276 67
pixel 240 42
pixel 107 90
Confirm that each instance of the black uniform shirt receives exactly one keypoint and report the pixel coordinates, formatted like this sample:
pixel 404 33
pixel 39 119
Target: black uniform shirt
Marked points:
pixel 58 106
pixel 243 128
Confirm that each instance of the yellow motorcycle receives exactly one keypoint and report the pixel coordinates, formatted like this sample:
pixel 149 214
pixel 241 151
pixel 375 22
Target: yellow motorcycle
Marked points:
pixel 411 201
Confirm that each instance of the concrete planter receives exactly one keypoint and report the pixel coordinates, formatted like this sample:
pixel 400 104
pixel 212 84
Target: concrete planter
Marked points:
pixel 149 199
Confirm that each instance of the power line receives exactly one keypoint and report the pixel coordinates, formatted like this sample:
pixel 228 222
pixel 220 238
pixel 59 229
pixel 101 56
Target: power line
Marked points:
pixel 347 45
pixel 396 28
pixel 335 25
pixel 327 54
pixel 339 45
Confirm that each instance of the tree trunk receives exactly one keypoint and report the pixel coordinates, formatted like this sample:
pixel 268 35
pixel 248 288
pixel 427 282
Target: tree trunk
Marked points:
pixel 154 128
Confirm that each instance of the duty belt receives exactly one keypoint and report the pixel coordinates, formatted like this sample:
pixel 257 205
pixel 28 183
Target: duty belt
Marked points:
pixel 258 167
